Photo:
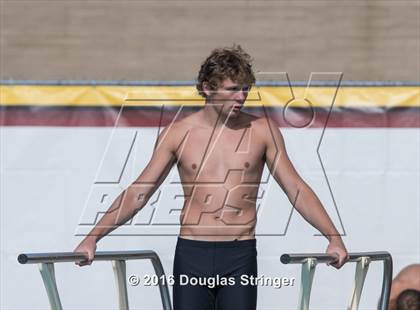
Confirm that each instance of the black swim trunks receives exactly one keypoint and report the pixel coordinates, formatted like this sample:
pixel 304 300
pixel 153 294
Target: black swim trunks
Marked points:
pixel 215 275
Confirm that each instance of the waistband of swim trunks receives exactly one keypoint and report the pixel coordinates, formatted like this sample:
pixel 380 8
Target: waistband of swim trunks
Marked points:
pixel 216 244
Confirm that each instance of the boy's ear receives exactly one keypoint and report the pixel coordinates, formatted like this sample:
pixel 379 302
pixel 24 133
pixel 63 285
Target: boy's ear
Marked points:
pixel 206 89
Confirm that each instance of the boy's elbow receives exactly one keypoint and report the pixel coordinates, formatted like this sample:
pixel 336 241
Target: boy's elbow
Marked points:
pixel 295 191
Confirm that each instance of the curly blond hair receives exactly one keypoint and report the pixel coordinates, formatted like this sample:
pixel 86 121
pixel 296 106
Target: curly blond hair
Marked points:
pixel 228 62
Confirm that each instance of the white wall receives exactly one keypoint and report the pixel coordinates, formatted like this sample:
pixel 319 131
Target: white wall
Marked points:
pixel 48 179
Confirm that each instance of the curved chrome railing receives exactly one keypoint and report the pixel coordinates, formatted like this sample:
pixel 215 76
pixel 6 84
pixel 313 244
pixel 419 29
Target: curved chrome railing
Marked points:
pixel 363 259
pixel 46 266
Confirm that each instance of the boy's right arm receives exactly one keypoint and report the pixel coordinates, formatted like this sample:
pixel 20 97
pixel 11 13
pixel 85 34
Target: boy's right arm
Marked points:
pixel 134 198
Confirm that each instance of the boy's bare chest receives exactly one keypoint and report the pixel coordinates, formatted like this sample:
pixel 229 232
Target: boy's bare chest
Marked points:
pixel 215 153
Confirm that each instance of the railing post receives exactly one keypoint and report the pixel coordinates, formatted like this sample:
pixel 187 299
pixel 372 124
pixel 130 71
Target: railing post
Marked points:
pixel 164 292
pixel 386 283
pixel 307 276
pixel 120 279
pixel 48 277
pixel 359 279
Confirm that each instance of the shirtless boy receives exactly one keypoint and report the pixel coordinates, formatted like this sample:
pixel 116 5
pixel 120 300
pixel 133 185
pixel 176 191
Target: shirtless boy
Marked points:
pixel 220 152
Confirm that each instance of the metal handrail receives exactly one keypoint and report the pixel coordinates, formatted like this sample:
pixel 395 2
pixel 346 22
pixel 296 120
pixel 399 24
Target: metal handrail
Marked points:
pixel 309 261
pixel 46 265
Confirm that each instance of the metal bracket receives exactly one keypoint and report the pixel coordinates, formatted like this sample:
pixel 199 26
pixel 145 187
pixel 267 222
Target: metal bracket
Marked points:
pixel 307 276
pixel 359 279
pixel 120 275
pixel 48 276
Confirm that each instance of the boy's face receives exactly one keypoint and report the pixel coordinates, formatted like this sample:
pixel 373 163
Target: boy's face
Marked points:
pixel 228 98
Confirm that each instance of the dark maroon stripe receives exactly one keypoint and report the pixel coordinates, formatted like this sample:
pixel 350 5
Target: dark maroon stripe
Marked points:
pixel 155 116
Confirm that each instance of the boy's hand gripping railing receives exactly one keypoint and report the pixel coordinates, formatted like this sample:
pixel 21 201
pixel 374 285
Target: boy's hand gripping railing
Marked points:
pixel 46 266
pixel 310 260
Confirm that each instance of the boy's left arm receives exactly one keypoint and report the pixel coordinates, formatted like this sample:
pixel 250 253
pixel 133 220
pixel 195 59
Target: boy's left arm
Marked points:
pixel 299 193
